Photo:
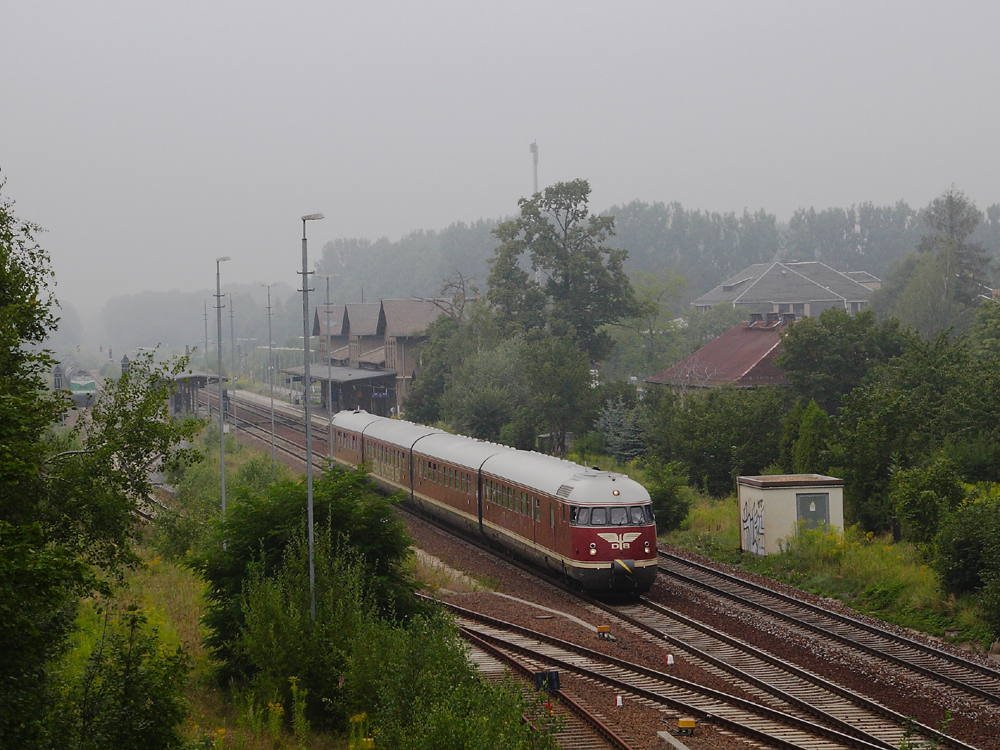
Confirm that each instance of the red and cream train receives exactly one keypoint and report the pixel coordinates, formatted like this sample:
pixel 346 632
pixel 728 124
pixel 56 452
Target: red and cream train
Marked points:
pixel 594 527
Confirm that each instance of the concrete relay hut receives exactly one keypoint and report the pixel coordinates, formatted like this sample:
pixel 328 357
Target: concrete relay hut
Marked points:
pixel 786 501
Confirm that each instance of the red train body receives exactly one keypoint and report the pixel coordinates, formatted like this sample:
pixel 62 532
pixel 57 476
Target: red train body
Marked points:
pixel 596 528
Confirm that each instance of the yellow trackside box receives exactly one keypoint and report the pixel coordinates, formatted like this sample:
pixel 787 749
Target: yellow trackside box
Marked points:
pixel 685 723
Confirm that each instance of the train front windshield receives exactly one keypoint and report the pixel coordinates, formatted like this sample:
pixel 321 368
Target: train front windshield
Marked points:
pixel 616 515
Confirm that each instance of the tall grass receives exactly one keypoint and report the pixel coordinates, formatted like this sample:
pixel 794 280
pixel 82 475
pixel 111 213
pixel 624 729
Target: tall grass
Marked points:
pixel 872 574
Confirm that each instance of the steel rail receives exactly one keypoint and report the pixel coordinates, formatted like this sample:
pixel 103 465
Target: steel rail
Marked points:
pixel 985 695
pixel 595 723
pixel 740 704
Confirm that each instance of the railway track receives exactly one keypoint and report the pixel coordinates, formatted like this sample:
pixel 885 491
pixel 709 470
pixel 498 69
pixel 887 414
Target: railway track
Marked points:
pixel 581 728
pixel 976 680
pixel 780 689
pixel 771 726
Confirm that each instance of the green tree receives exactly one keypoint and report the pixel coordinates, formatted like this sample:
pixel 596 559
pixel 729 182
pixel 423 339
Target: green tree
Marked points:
pixel 719 434
pixel 808 452
pixel 968 545
pixel 827 357
pixel 584 285
pixel 790 434
pixel 984 333
pixel 622 429
pixel 559 378
pixel 669 492
pixel 649 342
pixel 68 504
pixel 259 528
pixel 923 494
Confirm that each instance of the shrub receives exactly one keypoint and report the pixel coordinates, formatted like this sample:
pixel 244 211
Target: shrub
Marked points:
pixel 810 445
pixel 668 488
pixel 968 542
pixel 129 696
pixel 259 528
pixel 922 494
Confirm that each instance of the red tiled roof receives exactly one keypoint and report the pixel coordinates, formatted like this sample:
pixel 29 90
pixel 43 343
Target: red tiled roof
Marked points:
pixel 742 356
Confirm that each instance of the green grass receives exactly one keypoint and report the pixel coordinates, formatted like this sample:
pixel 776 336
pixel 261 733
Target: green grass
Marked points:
pixel 868 573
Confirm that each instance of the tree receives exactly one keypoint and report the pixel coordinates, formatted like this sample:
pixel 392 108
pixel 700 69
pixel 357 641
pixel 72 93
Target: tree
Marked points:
pixel 810 445
pixel 647 343
pixel 718 434
pixel 559 378
pixel 622 429
pixel 984 333
pixel 68 504
pixel 668 490
pixel 827 357
pixel 583 285
pixel 923 494
pixel 936 288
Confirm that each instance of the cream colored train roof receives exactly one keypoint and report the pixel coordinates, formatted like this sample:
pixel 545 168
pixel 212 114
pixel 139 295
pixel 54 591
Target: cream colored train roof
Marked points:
pixel 544 474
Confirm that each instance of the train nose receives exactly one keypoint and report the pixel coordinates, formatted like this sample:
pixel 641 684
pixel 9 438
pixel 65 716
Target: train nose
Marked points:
pixel 623 567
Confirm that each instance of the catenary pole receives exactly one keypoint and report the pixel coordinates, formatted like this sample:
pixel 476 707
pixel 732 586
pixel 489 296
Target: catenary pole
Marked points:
pixel 270 367
pixel 306 383
pixel 222 412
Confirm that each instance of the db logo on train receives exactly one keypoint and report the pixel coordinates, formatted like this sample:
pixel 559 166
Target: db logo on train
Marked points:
pixel 620 541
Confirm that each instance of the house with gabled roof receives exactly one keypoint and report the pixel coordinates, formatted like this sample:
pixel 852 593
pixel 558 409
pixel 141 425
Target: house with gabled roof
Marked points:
pixel 330 328
pixel 364 341
pixel 742 357
pixel 802 289
pixel 403 327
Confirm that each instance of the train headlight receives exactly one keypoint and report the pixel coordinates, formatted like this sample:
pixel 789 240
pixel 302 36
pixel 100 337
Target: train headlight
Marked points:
pixel 647 546
pixel 616 493
pixel 593 548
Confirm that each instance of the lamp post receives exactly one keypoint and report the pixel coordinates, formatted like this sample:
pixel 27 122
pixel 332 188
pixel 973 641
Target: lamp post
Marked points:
pixel 305 382
pixel 329 381
pixel 232 357
pixel 222 412
pixel 270 367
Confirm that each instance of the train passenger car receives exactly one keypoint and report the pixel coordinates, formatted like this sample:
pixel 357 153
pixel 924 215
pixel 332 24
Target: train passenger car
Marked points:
pixel 595 528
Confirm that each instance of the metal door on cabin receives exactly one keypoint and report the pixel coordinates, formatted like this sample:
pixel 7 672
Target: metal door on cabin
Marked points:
pixel 813 509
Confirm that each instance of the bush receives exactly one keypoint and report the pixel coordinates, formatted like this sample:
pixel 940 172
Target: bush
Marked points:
pixel 668 488
pixel 968 542
pixel 810 445
pixel 921 495
pixel 413 681
pixel 260 526
pixel 129 696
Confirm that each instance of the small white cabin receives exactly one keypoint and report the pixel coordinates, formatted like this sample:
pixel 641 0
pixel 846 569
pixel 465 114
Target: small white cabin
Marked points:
pixel 772 507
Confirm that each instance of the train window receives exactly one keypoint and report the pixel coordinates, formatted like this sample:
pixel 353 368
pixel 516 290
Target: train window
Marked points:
pixel 598 516
pixel 538 510
pixel 573 510
pixel 636 515
pixel 619 516
pixel 552 515
pixel 648 509
pixel 583 516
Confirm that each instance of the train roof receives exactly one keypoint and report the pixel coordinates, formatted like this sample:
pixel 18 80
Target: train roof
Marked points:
pixel 546 474
pixel 398 432
pixel 356 421
pixel 458 449
pixel 574 483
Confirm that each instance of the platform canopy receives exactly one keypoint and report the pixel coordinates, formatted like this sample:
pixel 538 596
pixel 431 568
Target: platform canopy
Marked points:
pixel 331 374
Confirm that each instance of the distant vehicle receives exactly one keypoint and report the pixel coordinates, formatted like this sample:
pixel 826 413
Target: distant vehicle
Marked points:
pixel 83 388
pixel 595 528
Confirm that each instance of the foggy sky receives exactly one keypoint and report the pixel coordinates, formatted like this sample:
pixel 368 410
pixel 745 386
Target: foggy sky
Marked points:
pixel 150 138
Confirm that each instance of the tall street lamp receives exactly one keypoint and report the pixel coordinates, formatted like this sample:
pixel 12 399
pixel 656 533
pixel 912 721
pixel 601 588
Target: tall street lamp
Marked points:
pixel 270 367
pixel 329 381
pixel 232 357
pixel 222 412
pixel 306 382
